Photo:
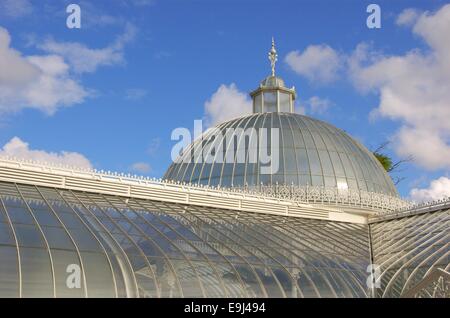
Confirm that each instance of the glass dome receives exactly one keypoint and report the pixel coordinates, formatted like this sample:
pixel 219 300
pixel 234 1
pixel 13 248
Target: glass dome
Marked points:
pixel 302 151
pixel 311 152
pixel 272 81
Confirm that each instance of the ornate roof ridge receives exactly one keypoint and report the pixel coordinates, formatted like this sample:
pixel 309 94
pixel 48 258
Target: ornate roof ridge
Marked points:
pixel 320 195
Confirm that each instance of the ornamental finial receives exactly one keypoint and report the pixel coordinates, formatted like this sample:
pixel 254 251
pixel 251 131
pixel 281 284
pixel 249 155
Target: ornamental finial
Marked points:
pixel 273 57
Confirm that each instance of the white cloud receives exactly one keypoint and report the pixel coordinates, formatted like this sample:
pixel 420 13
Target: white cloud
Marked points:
pixel 15 8
pixel 300 109
pixel 86 60
pixel 141 167
pixel 93 16
pixel 16 70
pixel 20 149
pixel 317 105
pixel 143 3
pixel 438 189
pixel 225 104
pixel 318 63
pixel 407 17
pixel 414 89
pixel 47 82
pixel 426 146
pixel 40 82
pixel 138 3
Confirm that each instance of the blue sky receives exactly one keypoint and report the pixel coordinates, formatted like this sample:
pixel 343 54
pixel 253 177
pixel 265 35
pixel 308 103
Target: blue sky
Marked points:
pixel 156 64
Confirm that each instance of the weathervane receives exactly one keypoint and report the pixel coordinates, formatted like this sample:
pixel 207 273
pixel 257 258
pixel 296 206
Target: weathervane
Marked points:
pixel 273 57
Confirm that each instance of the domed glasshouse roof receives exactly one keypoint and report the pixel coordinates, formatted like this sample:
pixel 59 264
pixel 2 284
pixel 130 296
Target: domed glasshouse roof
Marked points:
pixel 275 146
pixel 311 152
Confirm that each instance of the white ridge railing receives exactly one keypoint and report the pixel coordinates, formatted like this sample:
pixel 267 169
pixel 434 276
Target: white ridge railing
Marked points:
pixel 413 209
pixel 330 196
pixel 379 203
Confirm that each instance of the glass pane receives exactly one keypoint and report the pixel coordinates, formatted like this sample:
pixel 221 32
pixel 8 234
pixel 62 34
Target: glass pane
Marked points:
pixel 57 238
pixel 99 278
pixel 330 182
pixel 302 161
pixel 29 235
pixel 308 140
pixel 342 184
pixel 37 278
pixel 9 272
pixel 71 220
pixel 326 163
pixel 314 162
pixel 352 184
pixel 258 103
pixel 6 235
pixel 337 164
pixel 285 104
pixel 318 140
pixel 347 165
pixel 270 102
pixel 20 215
pixel 85 240
pixel 305 179
pixel 317 180
pixel 45 217
pixel 67 267
pixel 290 160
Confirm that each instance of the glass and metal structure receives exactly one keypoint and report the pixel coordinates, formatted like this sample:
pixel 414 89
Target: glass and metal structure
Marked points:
pixel 410 249
pixel 310 152
pixel 302 151
pixel 141 248
pixel 272 95
pixel 325 221
pixel 131 247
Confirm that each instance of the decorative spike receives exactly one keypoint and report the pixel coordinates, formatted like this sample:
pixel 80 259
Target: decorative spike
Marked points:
pixel 273 57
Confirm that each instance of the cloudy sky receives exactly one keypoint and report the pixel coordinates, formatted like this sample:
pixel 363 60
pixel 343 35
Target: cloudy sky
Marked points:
pixel 108 95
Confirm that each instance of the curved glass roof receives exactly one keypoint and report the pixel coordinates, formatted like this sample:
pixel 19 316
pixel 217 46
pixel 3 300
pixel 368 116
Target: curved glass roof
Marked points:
pixel 125 247
pixel 128 247
pixel 311 152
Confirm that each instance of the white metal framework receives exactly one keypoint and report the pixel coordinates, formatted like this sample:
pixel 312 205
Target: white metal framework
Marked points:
pixel 128 247
pixel 134 237
pixel 272 95
pixel 257 236
pixel 408 248
pixel 146 188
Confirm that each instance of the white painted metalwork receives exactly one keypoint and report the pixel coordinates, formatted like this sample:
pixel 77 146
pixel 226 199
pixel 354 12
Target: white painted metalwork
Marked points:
pixel 311 153
pixel 308 201
pixel 378 202
pixel 434 285
pixel 407 249
pixel 273 57
pixel 148 246
pixel 27 172
pixel 413 209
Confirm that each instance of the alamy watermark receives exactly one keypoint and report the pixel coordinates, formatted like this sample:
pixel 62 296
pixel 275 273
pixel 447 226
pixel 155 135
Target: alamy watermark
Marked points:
pixel 73 21
pixel 374 19
pixel 74 18
pixel 73 280
pixel 228 145
pixel 373 280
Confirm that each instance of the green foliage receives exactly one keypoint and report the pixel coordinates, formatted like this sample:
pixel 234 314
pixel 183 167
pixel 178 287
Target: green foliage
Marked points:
pixel 385 161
